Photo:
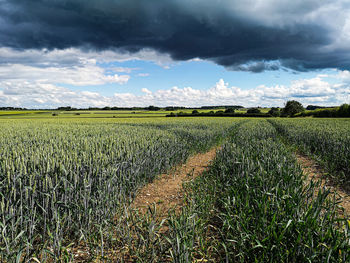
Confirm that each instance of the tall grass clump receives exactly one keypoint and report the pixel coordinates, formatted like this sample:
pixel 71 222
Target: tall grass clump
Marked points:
pixel 253 205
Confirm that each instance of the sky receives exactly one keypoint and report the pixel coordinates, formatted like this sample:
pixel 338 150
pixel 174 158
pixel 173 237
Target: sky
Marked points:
pixel 124 53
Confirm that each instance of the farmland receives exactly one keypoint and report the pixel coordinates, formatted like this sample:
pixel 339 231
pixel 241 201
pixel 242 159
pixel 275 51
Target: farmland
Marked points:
pixel 67 183
pixel 257 207
pixel 328 140
pixel 61 180
pixel 63 114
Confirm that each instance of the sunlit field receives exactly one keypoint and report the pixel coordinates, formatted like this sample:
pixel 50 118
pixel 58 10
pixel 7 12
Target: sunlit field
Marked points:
pixel 47 114
pixel 67 181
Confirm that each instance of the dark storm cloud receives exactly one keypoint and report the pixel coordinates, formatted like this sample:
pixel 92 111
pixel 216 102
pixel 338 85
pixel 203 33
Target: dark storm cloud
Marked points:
pixel 236 35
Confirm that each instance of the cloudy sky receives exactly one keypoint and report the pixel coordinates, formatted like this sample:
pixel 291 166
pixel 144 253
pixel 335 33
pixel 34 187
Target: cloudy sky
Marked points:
pixel 177 52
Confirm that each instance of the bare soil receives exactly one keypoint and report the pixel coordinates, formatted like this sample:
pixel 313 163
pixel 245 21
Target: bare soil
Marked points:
pixel 166 191
pixel 315 172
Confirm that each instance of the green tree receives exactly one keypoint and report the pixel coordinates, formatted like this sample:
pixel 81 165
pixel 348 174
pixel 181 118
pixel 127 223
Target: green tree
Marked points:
pixel 344 110
pixel 230 110
pixel 275 112
pixel 292 107
pixel 153 108
pixel 253 110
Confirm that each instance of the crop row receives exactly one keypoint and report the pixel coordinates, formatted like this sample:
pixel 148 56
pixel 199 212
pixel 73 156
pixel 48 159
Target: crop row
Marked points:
pixel 253 205
pixel 327 139
pixel 61 182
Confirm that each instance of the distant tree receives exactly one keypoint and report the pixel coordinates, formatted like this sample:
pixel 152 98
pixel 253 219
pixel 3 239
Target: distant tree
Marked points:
pixel 153 108
pixel 314 107
pixel 275 112
pixel 253 110
pixel 325 113
pixel 230 110
pixel 170 108
pixel 292 107
pixel 12 108
pixel 194 112
pixel 344 110
pixel 67 108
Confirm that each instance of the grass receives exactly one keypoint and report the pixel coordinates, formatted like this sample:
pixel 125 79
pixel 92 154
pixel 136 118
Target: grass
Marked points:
pixel 33 114
pixel 328 140
pixel 67 182
pixel 63 181
pixel 253 206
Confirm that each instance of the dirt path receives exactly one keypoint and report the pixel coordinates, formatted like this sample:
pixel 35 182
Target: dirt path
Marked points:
pixel 314 172
pixel 166 191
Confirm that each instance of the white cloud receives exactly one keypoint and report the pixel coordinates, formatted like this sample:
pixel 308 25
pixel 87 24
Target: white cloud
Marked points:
pixel 315 87
pixel 143 74
pixel 147 91
pixel 39 95
pixel 74 57
pixel 307 91
pixel 121 69
pixel 343 75
pixel 72 66
pixel 88 74
pixel 24 74
pixel 35 78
